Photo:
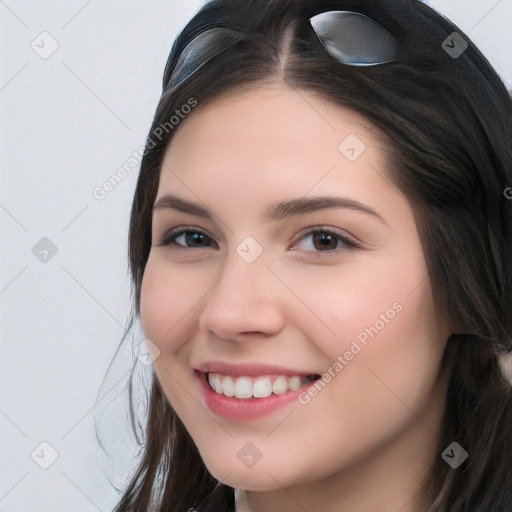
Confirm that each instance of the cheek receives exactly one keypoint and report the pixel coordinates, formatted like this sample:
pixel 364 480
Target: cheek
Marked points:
pixel 354 300
pixel 391 347
pixel 166 297
pixel 154 301
pixel 378 317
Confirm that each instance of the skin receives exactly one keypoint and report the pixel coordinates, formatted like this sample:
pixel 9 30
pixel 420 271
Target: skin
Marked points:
pixel 365 441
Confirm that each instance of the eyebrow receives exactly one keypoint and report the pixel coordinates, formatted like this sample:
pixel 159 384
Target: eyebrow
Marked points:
pixel 278 211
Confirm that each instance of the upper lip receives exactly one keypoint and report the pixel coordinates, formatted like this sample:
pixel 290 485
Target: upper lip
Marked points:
pixel 248 369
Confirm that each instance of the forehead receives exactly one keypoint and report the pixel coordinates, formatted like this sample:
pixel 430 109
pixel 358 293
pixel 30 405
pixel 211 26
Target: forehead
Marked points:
pixel 274 141
pixel 287 121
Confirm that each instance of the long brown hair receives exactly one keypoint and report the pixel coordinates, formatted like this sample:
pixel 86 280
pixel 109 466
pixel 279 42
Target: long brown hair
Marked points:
pixel 447 123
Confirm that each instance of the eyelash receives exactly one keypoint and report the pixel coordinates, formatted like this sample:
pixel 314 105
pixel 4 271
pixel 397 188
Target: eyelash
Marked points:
pixel 351 245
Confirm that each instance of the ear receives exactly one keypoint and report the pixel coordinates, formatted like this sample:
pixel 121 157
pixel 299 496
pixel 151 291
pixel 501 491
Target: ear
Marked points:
pixel 504 360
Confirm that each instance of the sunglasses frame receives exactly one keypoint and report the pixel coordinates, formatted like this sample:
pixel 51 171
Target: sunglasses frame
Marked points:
pixel 349 37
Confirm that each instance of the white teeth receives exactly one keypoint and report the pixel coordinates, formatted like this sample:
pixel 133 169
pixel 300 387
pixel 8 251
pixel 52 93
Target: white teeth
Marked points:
pixel 228 386
pixel 280 385
pixel 217 382
pixel 243 387
pixel 262 387
pixel 258 387
pixel 294 383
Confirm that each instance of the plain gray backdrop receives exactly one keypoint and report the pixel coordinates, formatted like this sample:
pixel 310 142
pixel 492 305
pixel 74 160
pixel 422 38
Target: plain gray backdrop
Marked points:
pixel 79 83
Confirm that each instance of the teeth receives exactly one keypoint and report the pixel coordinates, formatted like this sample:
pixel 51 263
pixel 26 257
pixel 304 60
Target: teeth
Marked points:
pixel 258 387
pixel 243 388
pixel 294 383
pixel 217 382
pixel 280 385
pixel 262 387
pixel 228 386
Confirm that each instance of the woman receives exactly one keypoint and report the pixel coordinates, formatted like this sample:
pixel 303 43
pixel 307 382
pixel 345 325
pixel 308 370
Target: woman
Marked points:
pixel 320 247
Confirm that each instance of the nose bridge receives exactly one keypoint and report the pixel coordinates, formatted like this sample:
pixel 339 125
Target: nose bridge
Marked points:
pixel 245 277
pixel 243 298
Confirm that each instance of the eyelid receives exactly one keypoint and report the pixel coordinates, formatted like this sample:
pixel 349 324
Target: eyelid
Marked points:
pixel 350 242
pixel 179 230
pixel 348 239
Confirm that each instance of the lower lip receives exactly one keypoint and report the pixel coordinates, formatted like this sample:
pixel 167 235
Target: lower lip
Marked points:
pixel 243 409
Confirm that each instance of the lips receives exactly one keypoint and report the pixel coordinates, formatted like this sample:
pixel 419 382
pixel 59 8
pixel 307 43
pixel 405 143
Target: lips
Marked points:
pixel 250 369
pixel 250 391
pixel 256 387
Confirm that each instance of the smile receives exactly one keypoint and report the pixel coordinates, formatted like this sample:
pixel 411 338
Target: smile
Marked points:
pixel 248 398
pixel 244 387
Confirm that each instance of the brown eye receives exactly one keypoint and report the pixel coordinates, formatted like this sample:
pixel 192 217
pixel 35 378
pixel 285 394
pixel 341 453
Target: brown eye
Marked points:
pixel 187 238
pixel 326 240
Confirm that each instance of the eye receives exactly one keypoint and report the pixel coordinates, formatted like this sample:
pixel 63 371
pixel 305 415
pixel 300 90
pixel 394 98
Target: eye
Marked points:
pixel 319 240
pixel 326 240
pixel 185 235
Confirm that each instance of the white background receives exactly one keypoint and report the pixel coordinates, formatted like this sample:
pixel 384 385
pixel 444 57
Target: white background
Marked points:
pixel 68 123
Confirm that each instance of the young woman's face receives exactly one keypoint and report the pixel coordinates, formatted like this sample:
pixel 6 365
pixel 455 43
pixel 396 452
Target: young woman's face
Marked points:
pixel 242 293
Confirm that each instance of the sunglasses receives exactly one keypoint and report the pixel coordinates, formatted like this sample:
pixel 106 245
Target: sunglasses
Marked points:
pixel 349 37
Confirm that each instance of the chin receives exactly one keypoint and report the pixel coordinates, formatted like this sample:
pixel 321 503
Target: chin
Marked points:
pixel 261 477
pixel 251 481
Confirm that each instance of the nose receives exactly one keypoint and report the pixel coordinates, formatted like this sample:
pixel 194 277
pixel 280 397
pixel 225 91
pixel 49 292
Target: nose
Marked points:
pixel 245 299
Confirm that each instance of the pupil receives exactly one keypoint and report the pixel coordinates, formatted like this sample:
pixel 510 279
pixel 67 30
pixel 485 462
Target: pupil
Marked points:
pixel 325 240
pixel 194 237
